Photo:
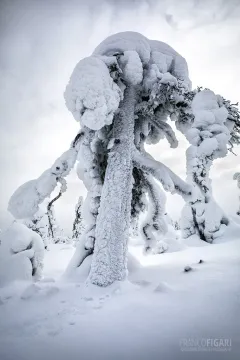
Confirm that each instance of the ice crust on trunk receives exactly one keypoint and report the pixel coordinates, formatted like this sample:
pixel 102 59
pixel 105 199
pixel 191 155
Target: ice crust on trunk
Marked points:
pixel 109 258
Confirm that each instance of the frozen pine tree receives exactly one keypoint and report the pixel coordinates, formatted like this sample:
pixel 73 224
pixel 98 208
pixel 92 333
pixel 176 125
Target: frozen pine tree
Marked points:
pixel 78 226
pixel 55 233
pixel 176 225
pixel 123 96
pixel 236 176
pixel 215 126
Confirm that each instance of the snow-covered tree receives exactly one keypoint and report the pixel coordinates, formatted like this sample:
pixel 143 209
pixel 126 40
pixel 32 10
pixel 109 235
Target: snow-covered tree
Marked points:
pixel 78 226
pixel 123 96
pixel 176 225
pixel 40 224
pixel 215 126
pixel 236 176
pixel 45 224
pixel 55 233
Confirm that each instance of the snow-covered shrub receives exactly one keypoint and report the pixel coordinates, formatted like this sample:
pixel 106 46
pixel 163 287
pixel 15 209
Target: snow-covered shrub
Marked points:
pixel 21 254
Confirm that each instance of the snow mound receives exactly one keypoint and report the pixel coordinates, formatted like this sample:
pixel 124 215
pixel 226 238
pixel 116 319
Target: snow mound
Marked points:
pixel 21 254
pixel 80 274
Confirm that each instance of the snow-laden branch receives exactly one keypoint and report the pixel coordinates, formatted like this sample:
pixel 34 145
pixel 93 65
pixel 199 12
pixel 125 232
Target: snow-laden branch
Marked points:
pixel 169 180
pixel 26 199
pixel 167 130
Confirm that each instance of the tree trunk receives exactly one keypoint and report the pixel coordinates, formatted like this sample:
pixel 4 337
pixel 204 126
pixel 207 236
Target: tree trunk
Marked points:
pixel 109 262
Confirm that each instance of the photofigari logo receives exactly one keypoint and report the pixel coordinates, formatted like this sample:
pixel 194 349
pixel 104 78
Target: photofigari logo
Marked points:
pixel 205 344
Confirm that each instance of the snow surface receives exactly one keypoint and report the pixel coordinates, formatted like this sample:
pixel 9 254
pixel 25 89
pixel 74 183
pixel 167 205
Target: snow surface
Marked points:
pixel 145 317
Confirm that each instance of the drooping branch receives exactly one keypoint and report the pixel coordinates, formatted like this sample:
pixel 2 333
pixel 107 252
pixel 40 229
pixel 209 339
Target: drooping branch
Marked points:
pixel 167 130
pixel 169 180
pixel 233 122
pixel 25 201
pixel 156 210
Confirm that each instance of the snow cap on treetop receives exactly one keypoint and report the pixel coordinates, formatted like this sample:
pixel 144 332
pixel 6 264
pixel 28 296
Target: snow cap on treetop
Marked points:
pixel 125 41
pixel 93 96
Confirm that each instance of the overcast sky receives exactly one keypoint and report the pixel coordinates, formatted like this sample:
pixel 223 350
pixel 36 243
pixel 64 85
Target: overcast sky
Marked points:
pixel 41 42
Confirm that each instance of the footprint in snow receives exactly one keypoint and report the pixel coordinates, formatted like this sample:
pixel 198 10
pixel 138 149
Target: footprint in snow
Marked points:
pixel 35 291
pixel 143 283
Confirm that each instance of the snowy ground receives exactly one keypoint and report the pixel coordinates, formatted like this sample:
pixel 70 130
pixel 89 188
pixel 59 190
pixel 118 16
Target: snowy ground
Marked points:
pixel 149 317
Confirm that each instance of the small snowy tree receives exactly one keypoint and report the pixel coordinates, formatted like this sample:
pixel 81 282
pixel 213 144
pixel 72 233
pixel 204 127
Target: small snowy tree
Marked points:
pixel 176 225
pixel 215 125
pixel 123 96
pixel 236 176
pixel 55 233
pixel 45 223
pixel 78 226
pixel 40 224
